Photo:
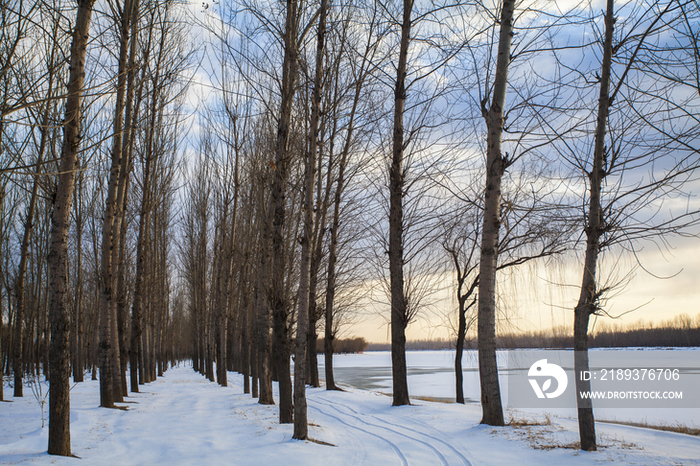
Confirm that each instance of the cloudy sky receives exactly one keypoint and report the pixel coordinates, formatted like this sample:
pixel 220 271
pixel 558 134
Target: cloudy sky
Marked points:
pixel 544 296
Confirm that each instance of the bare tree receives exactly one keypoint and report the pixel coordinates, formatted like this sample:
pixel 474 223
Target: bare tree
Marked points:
pixel 356 89
pixel 59 396
pixel 634 131
pixel 462 251
pixel 534 228
pixel 46 110
pixel 277 210
pixel 300 420
pixel 426 42
pixel 396 193
pixel 517 123
pixel 496 163
pixel 110 365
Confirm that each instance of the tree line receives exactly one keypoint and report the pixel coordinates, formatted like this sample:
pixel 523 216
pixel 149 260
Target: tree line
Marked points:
pixel 679 332
pixel 344 345
pixel 226 203
pixel 682 331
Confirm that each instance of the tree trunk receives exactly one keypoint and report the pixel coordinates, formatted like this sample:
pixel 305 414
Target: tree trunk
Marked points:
pixel 301 428
pixel 130 117
pixel 221 286
pixel 2 272
pixel 119 259
pixel 28 229
pixel 254 385
pixel 329 334
pixel 263 350
pixel 245 343
pixel 142 310
pixel 110 380
pixel 311 343
pixel 77 334
pixel 120 226
pixel 59 361
pixel 263 317
pixel 588 298
pixel 278 301
pixel 496 163
pixel 459 350
pixel 317 254
pixel 399 311
pixel 254 342
pixel 18 360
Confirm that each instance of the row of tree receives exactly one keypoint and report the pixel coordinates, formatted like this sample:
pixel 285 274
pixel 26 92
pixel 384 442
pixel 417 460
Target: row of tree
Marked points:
pixel 586 140
pixel 88 140
pixel 327 155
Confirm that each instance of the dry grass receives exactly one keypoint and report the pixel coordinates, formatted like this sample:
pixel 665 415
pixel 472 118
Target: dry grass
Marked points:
pixel 556 445
pixel 677 428
pixel 543 434
pixel 520 422
pixel 320 442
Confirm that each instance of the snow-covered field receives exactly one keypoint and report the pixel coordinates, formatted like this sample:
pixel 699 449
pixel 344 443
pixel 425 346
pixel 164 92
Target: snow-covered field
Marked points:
pixel 183 419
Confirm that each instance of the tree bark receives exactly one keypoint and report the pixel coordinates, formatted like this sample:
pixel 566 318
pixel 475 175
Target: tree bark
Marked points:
pixel 77 334
pixel 2 272
pixel 459 350
pixel 263 351
pixel 221 298
pixel 119 259
pixel 496 163
pixel 59 360
pixel 263 317
pixel 137 306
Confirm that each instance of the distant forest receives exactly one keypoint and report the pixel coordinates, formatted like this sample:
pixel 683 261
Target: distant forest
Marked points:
pixel 682 331
pixel 341 346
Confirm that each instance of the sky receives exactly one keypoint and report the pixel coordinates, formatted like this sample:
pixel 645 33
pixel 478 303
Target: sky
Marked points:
pixel 544 296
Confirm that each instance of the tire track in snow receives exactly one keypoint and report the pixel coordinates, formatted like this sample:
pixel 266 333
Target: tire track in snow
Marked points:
pixel 393 446
pixel 457 453
pixel 357 417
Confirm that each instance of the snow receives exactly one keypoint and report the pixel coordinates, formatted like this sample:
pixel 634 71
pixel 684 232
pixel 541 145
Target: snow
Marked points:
pixel 183 419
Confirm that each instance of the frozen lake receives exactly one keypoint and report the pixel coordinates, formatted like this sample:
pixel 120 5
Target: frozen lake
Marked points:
pixel 431 375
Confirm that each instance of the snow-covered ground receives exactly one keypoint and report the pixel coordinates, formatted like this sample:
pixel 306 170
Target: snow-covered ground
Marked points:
pixel 183 419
